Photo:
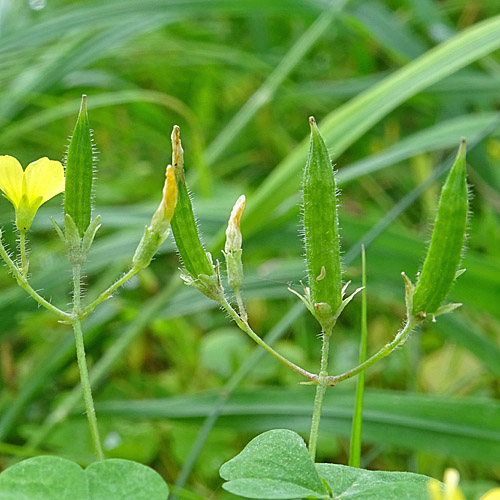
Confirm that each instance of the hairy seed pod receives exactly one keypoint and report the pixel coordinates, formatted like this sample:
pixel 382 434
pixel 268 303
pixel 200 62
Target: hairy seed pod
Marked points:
pixel 447 242
pixel 321 231
pixel 184 228
pixel 79 172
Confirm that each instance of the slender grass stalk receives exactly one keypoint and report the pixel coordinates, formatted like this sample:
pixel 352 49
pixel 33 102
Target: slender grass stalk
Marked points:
pixel 266 92
pixel 357 420
pixel 277 332
pixel 320 394
pixel 104 364
pixel 82 364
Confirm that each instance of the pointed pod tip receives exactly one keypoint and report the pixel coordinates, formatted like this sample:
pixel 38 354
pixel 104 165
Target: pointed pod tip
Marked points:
pixel 312 121
pixel 462 148
pixel 460 162
pixel 176 133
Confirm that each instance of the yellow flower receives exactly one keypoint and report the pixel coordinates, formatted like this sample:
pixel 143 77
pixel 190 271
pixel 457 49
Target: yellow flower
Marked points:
pixel 491 495
pixel 28 189
pixel 452 490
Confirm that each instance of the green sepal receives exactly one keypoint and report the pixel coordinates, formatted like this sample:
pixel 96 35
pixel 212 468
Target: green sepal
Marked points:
pixel 88 237
pixel 448 237
pixel 80 173
pixel 148 246
pixel 448 308
pixel 77 248
pixel 59 231
pixel 209 285
pixel 73 241
pixel 234 268
pixel 322 311
pixel 321 232
pixel 25 212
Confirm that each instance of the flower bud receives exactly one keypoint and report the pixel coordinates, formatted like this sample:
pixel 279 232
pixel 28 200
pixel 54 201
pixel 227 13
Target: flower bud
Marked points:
pixel 233 231
pixel 232 249
pixel 448 237
pixel 156 233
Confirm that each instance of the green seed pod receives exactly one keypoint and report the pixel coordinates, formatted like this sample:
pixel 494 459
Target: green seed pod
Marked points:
pixel 447 242
pixel 184 228
pixel 321 231
pixel 79 172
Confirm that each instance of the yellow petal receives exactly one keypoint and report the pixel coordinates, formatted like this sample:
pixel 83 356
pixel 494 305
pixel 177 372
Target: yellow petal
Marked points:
pixel 492 495
pixel 434 489
pixel 43 178
pixel 11 179
pixel 451 489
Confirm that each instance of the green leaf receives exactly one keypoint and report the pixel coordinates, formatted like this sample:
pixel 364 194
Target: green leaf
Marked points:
pixel 50 478
pixel 122 479
pixel 468 429
pixel 44 478
pixel 79 173
pixel 274 465
pixel 350 483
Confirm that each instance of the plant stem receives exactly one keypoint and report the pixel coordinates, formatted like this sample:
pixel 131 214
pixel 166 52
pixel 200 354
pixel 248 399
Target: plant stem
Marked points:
pixel 82 363
pixel 320 394
pixel 241 305
pixel 23 283
pixel 243 325
pixel 357 419
pixel 108 292
pixel 24 258
pixel 382 353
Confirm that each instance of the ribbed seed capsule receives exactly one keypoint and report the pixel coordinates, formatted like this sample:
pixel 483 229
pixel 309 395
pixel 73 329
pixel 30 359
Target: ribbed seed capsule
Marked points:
pixel 321 232
pixel 447 242
pixel 184 228
pixel 79 172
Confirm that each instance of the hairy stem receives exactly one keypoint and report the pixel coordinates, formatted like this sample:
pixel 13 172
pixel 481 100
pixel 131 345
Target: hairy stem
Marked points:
pixel 382 353
pixel 108 292
pixel 241 305
pixel 243 325
pixel 82 364
pixel 320 394
pixel 23 283
pixel 22 250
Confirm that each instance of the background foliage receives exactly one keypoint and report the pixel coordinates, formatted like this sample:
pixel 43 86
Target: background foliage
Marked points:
pixel 241 78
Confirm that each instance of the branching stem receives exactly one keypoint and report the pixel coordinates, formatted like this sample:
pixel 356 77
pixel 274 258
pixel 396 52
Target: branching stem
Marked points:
pixel 320 394
pixel 243 325
pixel 399 339
pixel 23 283
pixel 108 292
pixel 82 363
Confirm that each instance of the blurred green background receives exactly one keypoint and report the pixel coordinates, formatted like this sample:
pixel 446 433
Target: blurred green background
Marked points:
pixel 241 78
